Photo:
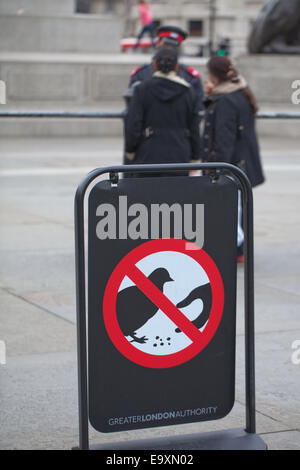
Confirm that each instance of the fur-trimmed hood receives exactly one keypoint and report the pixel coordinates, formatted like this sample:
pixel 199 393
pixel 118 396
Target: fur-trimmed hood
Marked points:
pixel 230 86
pixel 168 87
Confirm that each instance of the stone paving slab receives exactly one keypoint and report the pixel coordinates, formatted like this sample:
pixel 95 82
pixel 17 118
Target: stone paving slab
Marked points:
pixel 38 271
pixel 42 388
pixel 289 440
pixel 30 329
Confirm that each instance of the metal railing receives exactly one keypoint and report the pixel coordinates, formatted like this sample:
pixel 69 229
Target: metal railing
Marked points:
pixel 111 115
pixel 61 114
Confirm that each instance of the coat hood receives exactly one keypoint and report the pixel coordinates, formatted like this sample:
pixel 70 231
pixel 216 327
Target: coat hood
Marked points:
pixel 230 87
pixel 168 87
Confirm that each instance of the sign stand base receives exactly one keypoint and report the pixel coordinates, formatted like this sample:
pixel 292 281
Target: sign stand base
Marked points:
pixel 231 439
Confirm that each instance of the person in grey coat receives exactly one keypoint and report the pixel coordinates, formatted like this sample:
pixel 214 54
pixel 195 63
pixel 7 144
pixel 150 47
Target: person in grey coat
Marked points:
pixel 229 131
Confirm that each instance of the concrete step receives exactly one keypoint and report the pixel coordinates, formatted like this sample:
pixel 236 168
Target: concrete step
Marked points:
pixel 39 80
pixel 37 7
pixel 74 33
pixel 65 81
pixel 58 127
pixel 55 127
pixel 110 127
pixel 96 82
pixel 279 128
pixel 64 127
pixel 271 77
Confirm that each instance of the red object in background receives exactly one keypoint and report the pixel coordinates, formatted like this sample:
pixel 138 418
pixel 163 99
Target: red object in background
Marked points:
pixel 129 43
pixel 171 34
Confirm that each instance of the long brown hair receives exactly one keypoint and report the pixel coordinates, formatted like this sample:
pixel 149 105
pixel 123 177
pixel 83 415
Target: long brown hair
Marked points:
pixel 221 67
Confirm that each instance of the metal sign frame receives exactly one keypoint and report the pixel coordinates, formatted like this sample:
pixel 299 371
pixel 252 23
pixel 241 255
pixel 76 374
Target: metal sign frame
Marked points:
pixel 80 258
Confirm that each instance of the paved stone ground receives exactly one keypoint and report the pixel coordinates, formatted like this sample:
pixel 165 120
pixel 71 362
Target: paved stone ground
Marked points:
pixel 38 392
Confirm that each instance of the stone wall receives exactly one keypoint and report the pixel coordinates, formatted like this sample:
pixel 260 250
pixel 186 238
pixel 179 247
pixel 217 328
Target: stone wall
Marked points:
pixel 37 7
pixel 73 33
pixel 64 60
pixel 271 77
pixel 97 82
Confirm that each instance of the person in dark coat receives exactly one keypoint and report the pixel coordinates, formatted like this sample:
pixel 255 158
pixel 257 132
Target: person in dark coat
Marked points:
pixel 163 119
pixel 229 132
pixel 171 36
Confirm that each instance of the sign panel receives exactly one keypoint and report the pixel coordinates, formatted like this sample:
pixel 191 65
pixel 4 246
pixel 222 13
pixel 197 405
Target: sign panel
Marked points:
pixel 161 301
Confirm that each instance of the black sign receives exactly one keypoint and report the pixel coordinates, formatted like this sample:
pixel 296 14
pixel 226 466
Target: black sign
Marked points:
pixel 161 301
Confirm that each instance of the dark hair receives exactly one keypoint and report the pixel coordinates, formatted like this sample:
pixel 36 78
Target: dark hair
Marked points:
pixel 221 67
pixel 166 59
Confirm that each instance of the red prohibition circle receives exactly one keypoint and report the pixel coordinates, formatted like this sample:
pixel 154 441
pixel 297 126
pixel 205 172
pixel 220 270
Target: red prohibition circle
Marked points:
pixel 123 268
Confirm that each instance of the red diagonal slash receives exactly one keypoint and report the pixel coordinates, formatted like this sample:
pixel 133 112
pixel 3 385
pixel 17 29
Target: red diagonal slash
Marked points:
pixel 163 303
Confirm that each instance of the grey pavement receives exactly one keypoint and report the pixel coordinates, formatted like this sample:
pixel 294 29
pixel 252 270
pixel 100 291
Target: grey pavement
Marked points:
pixel 38 384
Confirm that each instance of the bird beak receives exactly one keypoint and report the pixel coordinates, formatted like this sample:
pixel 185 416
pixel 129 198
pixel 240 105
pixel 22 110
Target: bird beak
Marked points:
pixel 170 279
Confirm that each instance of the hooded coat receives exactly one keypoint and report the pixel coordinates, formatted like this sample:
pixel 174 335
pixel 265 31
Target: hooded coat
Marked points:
pixel 163 122
pixel 189 74
pixel 229 132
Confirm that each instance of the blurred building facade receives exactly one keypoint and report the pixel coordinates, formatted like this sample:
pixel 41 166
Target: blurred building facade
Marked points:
pixel 205 20
pixel 65 54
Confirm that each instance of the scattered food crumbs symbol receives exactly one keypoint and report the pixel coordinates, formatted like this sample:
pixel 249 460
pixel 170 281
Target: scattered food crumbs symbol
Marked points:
pixel 161 341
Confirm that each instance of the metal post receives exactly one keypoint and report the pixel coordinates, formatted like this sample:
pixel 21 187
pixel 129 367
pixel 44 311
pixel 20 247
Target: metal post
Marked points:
pixel 212 21
pixel 14 113
pixel 249 306
pixel 81 285
pixel 81 321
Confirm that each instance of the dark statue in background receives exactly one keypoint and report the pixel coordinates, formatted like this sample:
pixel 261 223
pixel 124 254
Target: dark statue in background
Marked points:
pixel 277 29
pixel 83 6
